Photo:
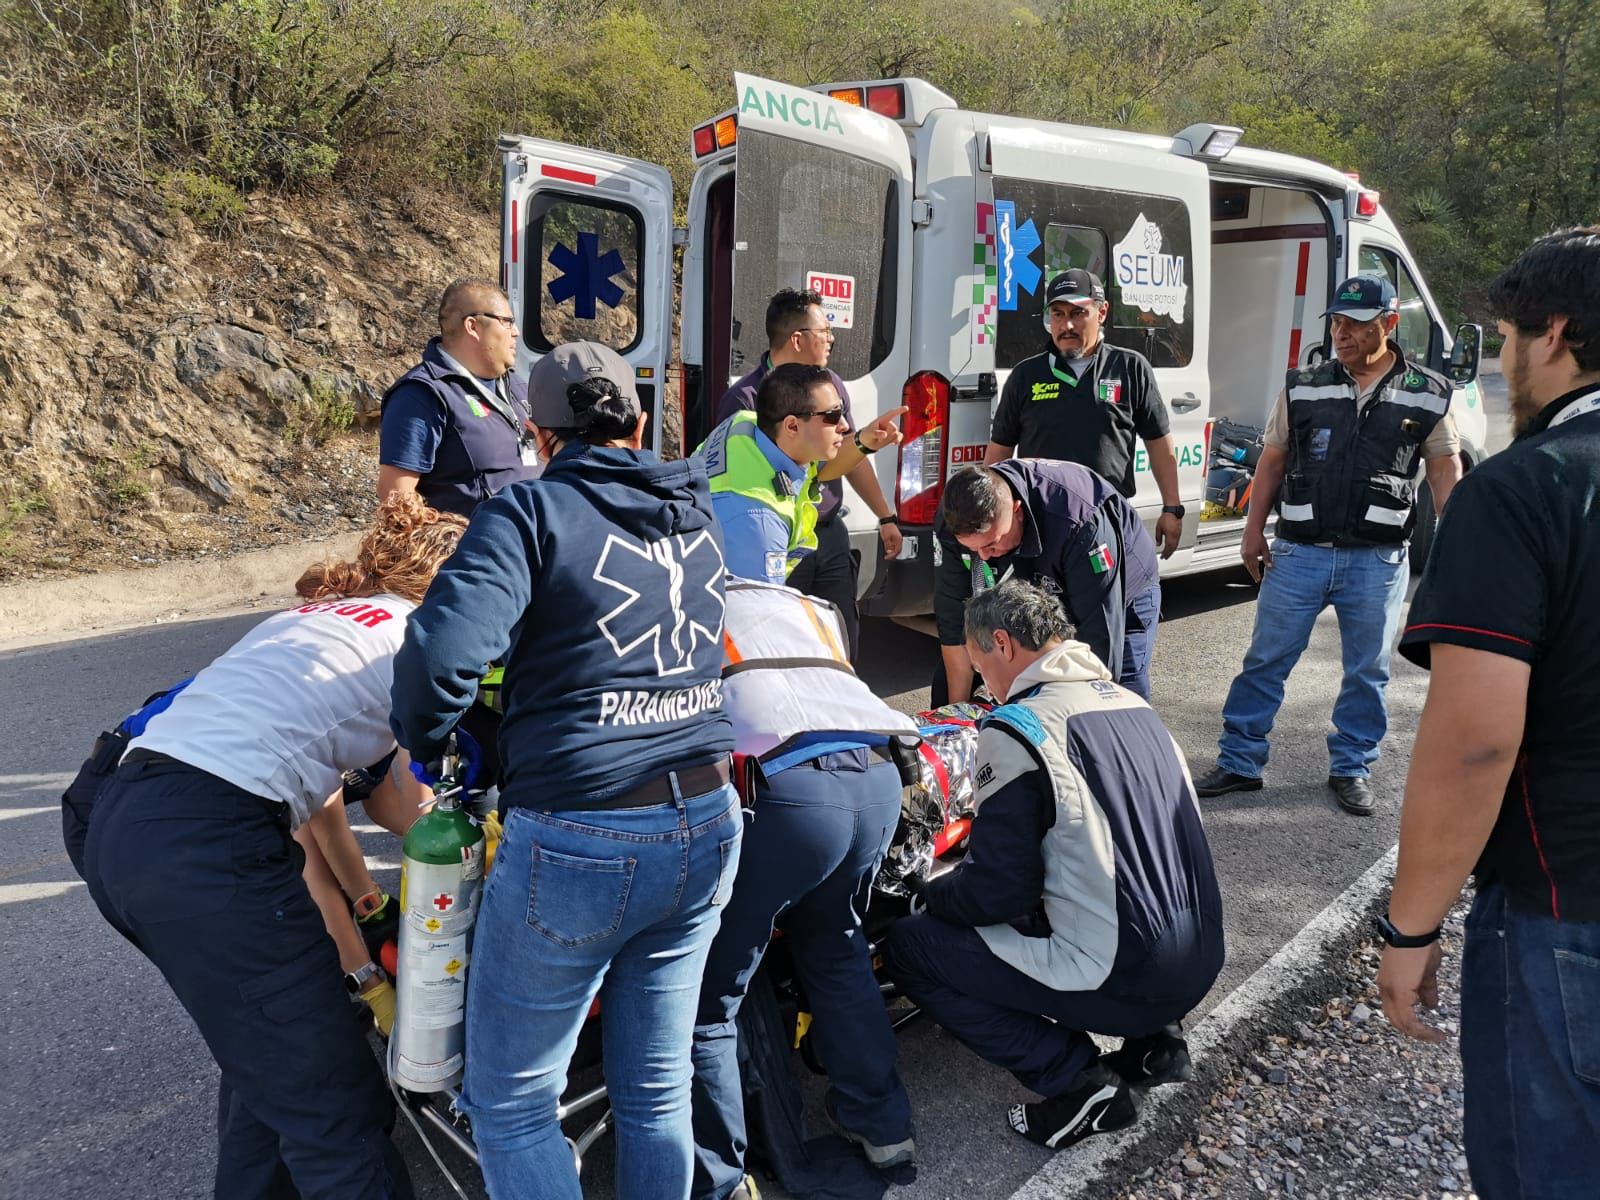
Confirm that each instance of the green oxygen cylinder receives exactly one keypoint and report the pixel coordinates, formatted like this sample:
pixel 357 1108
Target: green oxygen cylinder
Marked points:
pixel 441 872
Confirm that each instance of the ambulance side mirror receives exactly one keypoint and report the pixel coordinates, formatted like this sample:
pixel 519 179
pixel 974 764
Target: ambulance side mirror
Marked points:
pixel 1463 365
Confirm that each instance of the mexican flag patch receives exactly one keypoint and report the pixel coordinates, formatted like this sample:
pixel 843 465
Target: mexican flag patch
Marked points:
pixel 1100 559
pixel 1111 391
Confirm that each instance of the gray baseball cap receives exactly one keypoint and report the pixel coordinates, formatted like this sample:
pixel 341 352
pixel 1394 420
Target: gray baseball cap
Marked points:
pixel 575 362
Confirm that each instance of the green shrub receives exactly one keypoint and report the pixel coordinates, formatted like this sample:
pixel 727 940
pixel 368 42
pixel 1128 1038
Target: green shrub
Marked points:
pixel 321 415
pixel 207 201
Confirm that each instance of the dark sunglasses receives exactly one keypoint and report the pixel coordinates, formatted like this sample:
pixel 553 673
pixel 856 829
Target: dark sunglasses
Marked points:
pixel 831 415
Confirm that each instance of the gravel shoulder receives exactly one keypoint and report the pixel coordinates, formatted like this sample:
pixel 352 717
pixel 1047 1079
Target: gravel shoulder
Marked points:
pixel 1334 1104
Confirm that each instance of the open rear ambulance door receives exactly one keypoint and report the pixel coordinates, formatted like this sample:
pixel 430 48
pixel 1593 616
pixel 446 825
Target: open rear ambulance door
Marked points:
pixel 822 201
pixel 1140 219
pixel 586 255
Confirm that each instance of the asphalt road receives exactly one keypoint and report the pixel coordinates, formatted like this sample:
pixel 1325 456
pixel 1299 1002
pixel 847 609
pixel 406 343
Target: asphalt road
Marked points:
pixel 110 1091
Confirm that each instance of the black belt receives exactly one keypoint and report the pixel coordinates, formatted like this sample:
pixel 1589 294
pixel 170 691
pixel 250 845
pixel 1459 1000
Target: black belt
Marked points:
pixel 692 781
pixel 276 809
pixel 151 756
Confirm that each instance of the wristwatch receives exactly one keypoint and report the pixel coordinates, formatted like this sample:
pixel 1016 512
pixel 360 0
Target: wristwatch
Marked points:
pixel 891 519
pixel 862 446
pixel 1404 941
pixel 1176 510
pixel 355 981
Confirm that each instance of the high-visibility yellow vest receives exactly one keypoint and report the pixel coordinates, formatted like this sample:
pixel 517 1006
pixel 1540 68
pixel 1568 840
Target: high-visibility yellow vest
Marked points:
pixel 735 463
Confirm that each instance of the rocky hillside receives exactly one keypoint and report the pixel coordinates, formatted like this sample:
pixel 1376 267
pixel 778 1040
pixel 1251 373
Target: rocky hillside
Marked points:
pixel 169 392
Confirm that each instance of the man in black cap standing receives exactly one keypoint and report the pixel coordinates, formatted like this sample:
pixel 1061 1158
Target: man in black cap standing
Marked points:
pixel 1342 449
pixel 1084 401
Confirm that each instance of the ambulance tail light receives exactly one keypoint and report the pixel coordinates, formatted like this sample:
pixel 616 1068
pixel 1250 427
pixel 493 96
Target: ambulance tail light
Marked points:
pixel 887 100
pixel 716 134
pixel 1367 204
pixel 926 396
pixel 848 95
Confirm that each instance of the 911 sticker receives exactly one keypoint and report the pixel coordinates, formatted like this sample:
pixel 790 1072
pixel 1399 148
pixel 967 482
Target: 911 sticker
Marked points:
pixel 961 455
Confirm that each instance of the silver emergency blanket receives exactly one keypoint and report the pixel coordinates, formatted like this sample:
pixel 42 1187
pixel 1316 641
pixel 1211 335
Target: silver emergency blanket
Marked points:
pixel 942 795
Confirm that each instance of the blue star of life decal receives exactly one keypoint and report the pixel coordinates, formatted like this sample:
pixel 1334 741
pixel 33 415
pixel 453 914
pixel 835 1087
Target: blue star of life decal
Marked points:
pixel 685 570
pixel 585 275
pixel 1015 269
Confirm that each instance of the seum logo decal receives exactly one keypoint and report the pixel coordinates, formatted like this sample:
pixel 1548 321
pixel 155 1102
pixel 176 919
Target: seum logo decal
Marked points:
pixel 1150 280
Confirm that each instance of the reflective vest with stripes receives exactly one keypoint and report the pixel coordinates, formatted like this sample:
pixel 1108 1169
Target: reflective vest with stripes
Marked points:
pixel 736 463
pixel 785 671
pixel 1351 471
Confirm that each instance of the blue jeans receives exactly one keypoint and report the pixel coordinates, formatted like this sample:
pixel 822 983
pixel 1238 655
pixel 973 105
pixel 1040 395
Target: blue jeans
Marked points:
pixel 1367 587
pixel 620 903
pixel 1142 619
pixel 1530 1052
pixel 819 833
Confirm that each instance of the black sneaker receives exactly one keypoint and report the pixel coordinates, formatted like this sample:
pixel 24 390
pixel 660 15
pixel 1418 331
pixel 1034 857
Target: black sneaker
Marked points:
pixel 1217 782
pixel 1353 793
pixel 1152 1061
pixel 1098 1103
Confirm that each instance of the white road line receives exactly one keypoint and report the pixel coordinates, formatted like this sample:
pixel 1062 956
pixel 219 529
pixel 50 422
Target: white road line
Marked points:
pixel 1068 1174
pixel 16 893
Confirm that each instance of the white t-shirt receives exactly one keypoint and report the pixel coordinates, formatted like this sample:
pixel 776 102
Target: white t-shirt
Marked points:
pixel 299 700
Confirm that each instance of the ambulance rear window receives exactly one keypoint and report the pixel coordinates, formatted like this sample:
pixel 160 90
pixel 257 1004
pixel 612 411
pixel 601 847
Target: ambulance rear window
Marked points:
pixel 582 282
pixel 809 214
pixel 1139 246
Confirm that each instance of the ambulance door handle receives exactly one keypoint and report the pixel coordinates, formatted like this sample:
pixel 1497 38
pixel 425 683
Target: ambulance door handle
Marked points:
pixel 1185 402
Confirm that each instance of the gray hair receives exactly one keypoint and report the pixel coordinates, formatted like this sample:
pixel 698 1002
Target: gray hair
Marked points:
pixel 1030 615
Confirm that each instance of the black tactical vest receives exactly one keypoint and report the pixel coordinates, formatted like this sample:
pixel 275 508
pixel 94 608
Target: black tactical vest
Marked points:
pixel 481 450
pixel 1350 473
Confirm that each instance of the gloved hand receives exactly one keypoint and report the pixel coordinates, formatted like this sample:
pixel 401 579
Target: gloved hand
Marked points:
pixel 429 773
pixel 380 999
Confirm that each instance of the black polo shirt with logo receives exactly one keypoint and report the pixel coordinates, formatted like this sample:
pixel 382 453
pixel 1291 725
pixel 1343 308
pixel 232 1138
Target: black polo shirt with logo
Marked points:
pixel 1515 570
pixel 1093 419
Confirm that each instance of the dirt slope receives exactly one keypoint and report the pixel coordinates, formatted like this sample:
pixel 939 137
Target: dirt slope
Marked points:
pixel 167 392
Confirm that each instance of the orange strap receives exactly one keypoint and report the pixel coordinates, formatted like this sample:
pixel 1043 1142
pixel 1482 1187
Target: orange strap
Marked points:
pixel 729 649
pixel 824 632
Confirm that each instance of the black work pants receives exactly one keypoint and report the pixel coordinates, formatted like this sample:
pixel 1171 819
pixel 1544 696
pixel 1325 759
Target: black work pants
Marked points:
pixel 204 879
pixel 1039 1034
pixel 829 573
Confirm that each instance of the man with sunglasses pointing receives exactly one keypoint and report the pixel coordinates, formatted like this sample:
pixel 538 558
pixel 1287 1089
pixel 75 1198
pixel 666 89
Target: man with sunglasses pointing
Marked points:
pixel 455 427
pixel 767 469
pixel 798 331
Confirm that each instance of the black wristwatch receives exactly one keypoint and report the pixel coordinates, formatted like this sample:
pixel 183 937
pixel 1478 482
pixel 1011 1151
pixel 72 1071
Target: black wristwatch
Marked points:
pixel 1405 941
pixel 891 519
pixel 1176 510
pixel 355 980
pixel 862 446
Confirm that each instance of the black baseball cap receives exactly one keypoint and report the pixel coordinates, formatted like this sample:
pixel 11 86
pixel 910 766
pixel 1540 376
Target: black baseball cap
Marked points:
pixel 1364 298
pixel 1074 287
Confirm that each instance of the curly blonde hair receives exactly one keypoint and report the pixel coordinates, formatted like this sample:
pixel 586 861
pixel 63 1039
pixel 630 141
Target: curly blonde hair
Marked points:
pixel 400 555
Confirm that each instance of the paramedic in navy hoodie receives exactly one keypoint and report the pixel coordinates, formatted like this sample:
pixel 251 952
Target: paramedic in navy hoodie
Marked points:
pixel 1086 903
pixel 600 586
pixel 455 427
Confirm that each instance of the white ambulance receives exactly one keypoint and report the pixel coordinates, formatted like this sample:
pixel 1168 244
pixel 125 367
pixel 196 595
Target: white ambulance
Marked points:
pixel 931 232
